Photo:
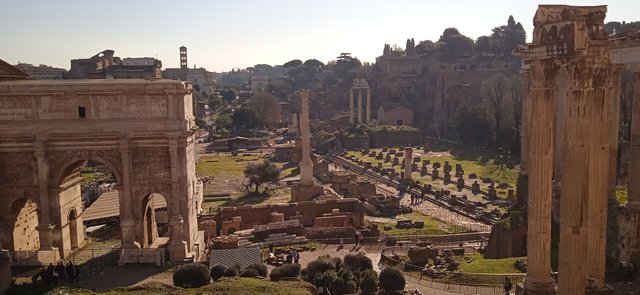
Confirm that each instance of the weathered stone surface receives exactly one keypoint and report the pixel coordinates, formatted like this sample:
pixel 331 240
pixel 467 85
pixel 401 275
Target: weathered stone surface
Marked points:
pixel 142 130
pixel 421 255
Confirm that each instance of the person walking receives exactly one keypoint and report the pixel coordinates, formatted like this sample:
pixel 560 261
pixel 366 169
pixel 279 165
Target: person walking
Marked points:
pixel 507 285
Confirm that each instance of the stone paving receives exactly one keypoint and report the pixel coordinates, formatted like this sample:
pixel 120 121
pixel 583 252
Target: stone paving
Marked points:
pixel 440 213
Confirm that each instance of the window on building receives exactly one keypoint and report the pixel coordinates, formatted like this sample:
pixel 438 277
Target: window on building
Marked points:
pixel 82 113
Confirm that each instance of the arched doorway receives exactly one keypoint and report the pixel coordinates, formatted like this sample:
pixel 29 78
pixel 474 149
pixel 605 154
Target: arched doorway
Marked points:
pixel 73 229
pixel 25 236
pixel 155 220
pixel 80 180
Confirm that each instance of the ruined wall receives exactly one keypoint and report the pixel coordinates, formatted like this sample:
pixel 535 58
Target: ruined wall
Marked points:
pixel 390 138
pixel 306 212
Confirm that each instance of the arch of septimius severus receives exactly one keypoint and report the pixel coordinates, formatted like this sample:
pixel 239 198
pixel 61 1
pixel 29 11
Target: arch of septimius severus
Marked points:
pixel 570 142
pixel 141 129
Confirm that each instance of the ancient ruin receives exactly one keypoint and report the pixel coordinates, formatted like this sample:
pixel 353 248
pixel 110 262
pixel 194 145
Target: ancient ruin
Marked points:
pixel 569 100
pixel 359 85
pixel 141 130
pixel 306 190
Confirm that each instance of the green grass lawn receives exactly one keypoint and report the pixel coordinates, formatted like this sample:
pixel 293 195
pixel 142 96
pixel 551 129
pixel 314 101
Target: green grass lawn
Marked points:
pixel 496 172
pixel 223 165
pixel 480 265
pixel 236 286
pixel 432 226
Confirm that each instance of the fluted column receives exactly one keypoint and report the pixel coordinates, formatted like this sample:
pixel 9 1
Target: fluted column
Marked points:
pixel 368 105
pixel 576 178
pixel 540 162
pixel 351 105
pixel 44 225
pixel 359 106
pixel 600 166
pixel 634 171
pixel 306 166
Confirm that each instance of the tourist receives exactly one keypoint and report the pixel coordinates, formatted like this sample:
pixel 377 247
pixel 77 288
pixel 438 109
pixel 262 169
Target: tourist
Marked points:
pixel 507 285
pixel 70 270
pixel 296 256
pixel 357 238
pixel 271 248
pixel 60 271
pixel 49 274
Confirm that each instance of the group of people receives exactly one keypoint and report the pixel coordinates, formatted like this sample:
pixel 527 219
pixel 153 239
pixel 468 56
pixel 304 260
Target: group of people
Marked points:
pixel 54 274
pixel 292 256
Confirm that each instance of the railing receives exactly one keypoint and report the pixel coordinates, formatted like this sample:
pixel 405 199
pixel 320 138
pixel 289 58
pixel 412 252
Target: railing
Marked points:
pixel 454 282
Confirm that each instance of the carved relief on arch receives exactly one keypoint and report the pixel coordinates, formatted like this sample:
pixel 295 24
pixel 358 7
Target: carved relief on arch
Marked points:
pixel 62 163
pixel 18 168
pixel 150 163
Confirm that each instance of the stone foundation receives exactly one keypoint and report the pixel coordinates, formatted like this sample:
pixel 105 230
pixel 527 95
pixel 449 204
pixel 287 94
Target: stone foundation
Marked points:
pixel 300 193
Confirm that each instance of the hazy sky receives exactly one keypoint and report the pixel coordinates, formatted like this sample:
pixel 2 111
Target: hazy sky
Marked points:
pixel 221 35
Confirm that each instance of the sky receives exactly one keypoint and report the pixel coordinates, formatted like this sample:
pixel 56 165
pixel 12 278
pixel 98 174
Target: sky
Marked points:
pixel 221 35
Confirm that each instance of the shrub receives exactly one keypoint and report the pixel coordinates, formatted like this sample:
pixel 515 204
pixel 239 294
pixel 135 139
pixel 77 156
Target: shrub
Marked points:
pixel 249 273
pixel 319 266
pixel 369 282
pixel 231 272
pixel 191 275
pixel 260 268
pixel 338 286
pixel 217 271
pixel 285 271
pixel 391 279
pixel 358 262
pixel 352 287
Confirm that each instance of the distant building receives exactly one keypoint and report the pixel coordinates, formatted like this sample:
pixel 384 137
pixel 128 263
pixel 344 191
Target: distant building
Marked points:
pixel 434 87
pixel 259 83
pixel 10 73
pixel 395 114
pixel 105 65
pixel 42 72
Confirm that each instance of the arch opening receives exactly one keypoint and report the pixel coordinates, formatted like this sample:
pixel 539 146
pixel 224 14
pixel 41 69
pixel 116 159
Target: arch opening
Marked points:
pixel 155 221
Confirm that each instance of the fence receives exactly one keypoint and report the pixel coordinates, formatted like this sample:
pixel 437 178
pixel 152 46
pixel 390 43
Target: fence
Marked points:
pixel 453 282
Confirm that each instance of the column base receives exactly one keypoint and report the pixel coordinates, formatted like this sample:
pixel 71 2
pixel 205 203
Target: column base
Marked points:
pixel 538 287
pixel 520 290
pixel 600 291
pixel 127 232
pixel 178 251
pixel 301 193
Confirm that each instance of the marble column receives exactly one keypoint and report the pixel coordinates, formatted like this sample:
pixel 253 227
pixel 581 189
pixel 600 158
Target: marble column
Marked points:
pixel 634 171
pixel 541 87
pixel 127 223
pixel 601 136
pixel 368 105
pixel 306 166
pixel 351 105
pixel 44 225
pixel 576 174
pixel 408 160
pixel 359 106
